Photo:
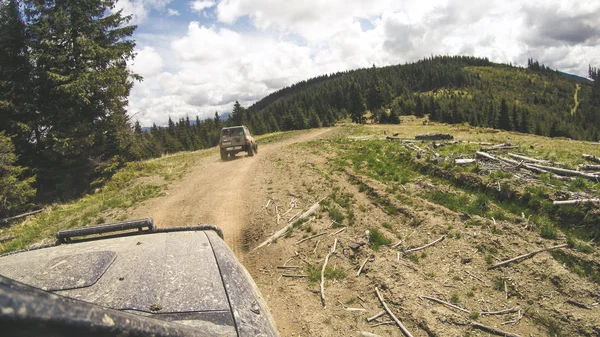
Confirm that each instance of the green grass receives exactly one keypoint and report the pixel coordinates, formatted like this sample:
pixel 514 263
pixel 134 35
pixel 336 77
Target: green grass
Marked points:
pixel 136 182
pixel 377 239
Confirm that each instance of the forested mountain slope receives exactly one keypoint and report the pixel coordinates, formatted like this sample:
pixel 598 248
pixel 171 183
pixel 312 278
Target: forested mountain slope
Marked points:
pixel 449 89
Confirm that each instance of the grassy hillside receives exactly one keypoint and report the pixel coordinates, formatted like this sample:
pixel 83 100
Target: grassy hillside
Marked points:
pixel 449 89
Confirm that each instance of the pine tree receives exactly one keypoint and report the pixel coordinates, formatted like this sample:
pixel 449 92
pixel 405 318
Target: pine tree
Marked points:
pixel 237 115
pixel 515 119
pixel 356 105
pixel 16 191
pixel 504 118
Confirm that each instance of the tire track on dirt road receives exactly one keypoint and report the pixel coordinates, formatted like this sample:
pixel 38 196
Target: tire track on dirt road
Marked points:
pixel 215 192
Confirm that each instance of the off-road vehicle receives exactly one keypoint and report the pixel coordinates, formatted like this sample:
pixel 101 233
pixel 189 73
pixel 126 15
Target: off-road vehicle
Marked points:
pixel 236 139
pixel 132 280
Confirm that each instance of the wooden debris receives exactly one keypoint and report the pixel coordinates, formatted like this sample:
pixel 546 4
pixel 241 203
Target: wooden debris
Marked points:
pixel 464 161
pixel 356 309
pixel 7 238
pixel 475 277
pixel 434 136
pixel 526 256
pixel 402 140
pixel 565 172
pixel 528 159
pixel 383 323
pixel 323 273
pixel 288 267
pixel 361 267
pixel 436 145
pixel 268 203
pixel 389 312
pixel 5 220
pixel 591 158
pixel 575 202
pixel 501 312
pixel 294 216
pixel 381 313
pixel 444 303
pixel 492 330
pixel 396 244
pixel 313 209
pixel 578 304
pixel 410 251
pixel 338 232
pixel 311 237
pixel 584 167
pixel 294 275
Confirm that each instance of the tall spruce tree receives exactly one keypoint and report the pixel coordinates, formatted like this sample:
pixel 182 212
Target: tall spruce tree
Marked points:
pixel 356 103
pixel 504 118
pixel 80 50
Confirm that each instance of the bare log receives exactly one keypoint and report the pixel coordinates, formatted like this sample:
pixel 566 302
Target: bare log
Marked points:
pixel 410 251
pixel 389 312
pixel 492 330
pixel 5 220
pixel 313 209
pixel 584 167
pixel 367 334
pixel 528 159
pixel 361 267
pixel 311 237
pixel 526 256
pixel 436 145
pixel 434 136
pixel 565 172
pixel 591 158
pixel 576 202
pixel 323 273
pixel 381 313
pixel 500 148
pixel 501 312
pixel 444 303
pixel 464 161
pixel 402 139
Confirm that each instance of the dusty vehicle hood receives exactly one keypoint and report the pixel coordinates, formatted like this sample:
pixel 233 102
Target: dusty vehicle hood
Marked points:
pixel 190 277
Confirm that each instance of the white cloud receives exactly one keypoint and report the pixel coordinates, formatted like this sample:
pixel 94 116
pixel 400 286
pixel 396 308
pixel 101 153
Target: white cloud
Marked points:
pixel 213 64
pixel 200 5
pixel 172 12
pixel 139 9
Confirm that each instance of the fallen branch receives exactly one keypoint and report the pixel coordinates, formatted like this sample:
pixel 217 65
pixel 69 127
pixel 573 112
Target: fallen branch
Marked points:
pixel 410 251
pixel 584 167
pixel 396 244
pixel 268 203
pixel 367 334
pixel 591 158
pixel 294 216
pixel 313 209
pixel 475 277
pixel 492 330
pixel 436 145
pixel 383 323
pixel 338 232
pixel 502 312
pixel 444 303
pixel 7 238
pixel 575 202
pixel 526 256
pixel 565 172
pixel 528 159
pixel 434 136
pixel 288 267
pixel 311 237
pixel 323 273
pixel 361 267
pixel 5 220
pixel 294 275
pixel 389 312
pixel 381 313
pixel 356 309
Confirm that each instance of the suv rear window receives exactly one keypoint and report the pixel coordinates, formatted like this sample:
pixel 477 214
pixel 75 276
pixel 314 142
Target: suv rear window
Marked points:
pixel 232 132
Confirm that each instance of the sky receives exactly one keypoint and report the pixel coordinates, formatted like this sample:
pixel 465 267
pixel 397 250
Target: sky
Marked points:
pixel 198 57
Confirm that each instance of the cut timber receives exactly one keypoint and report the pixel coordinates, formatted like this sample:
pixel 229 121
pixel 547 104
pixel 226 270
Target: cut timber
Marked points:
pixel 436 145
pixel 528 159
pixel 503 147
pixel 434 136
pixel 294 275
pixel 464 161
pixel 492 330
pixel 398 323
pixel 591 158
pixel 323 273
pixel 312 210
pixel 381 313
pixel 501 312
pixel 576 202
pixel 402 140
pixel 584 167
pixel 565 172
pixel 444 303
pixel 410 251
pixel 531 167
pixel 527 256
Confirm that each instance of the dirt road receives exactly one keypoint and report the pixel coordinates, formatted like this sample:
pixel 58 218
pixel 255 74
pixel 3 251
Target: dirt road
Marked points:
pixel 216 192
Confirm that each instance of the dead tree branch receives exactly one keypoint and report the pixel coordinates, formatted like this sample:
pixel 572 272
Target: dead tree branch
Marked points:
pixel 501 312
pixel 575 202
pixel 492 330
pixel 410 251
pixel 591 158
pixel 311 237
pixel 389 312
pixel 526 256
pixel 444 303
pixel 323 273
